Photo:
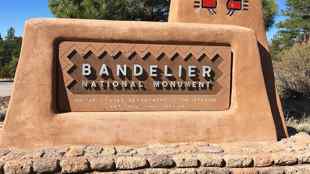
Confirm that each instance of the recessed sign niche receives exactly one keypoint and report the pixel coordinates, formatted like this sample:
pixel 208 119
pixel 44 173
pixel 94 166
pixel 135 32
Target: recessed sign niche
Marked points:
pixel 145 77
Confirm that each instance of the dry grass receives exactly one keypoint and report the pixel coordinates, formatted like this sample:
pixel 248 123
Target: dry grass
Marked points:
pixel 292 71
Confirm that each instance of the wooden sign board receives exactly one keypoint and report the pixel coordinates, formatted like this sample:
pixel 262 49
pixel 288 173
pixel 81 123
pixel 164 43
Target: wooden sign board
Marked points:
pixel 101 76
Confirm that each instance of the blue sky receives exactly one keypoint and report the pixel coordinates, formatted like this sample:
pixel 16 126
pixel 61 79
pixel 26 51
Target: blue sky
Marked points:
pixel 15 12
pixel 273 30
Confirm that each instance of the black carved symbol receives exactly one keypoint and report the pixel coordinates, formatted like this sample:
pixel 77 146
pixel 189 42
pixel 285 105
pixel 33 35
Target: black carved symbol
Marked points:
pixel 236 5
pixel 208 4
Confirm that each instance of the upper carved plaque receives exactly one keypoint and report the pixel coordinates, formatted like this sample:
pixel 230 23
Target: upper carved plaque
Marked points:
pixel 232 6
pixel 146 76
pixel 245 13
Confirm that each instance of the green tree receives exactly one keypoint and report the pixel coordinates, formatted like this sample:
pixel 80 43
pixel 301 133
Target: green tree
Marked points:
pixel 1 51
pixel 296 27
pixel 154 10
pixel 9 54
pixel 10 34
pixel 146 10
pixel 270 10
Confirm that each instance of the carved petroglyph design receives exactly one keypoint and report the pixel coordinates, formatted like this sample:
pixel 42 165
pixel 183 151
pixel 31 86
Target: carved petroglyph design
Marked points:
pixel 211 5
pixel 236 5
pixel 232 6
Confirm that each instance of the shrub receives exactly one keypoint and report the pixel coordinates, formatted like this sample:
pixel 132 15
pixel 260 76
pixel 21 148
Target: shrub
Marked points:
pixel 292 72
pixel 8 70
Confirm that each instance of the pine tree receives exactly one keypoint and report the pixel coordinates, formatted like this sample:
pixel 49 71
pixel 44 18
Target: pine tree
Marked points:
pixel 9 54
pixel 10 34
pixel 270 10
pixel 296 27
pixel 146 10
pixel 108 9
pixel 1 51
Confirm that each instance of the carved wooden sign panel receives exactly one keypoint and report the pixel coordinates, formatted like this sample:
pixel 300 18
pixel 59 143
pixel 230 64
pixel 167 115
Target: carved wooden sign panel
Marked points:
pixel 101 76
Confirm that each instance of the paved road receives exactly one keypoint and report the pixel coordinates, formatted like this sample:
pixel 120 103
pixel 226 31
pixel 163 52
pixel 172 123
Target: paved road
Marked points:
pixel 5 88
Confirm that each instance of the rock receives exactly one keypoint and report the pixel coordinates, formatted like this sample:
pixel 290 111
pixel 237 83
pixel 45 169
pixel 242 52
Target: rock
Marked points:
pixel 43 165
pixel 292 170
pixel 304 158
pixel 93 151
pixel 213 170
pixel 236 161
pixel 271 170
pixel 128 163
pixel 275 148
pixel 128 172
pixel 183 171
pixel 4 152
pixel 300 170
pixel 125 151
pixel 166 151
pixel 146 151
pixel 75 151
pixel 161 161
pixel 57 153
pixel 18 167
pixel 74 165
pixel 263 161
pixel 301 135
pixel 108 151
pixel 160 149
pixel 186 161
pixel 102 164
pixel 33 155
pixel 244 171
pixel 186 148
pixel 14 155
pixel 210 149
pixel 208 160
pixel 284 159
pixel 156 171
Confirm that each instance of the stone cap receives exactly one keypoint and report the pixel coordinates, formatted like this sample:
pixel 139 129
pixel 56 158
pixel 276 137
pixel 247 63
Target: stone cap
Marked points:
pixel 287 156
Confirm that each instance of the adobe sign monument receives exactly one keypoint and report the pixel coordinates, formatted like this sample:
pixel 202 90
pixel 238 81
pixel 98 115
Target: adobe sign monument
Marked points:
pixel 203 76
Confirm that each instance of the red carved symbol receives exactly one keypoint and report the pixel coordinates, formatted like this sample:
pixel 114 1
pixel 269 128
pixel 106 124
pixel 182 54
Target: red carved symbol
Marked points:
pixel 209 3
pixel 236 5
